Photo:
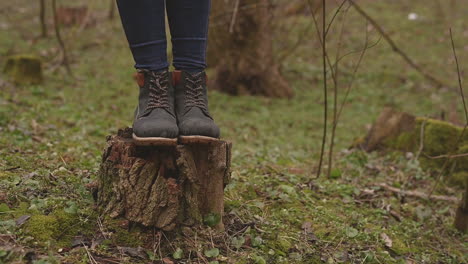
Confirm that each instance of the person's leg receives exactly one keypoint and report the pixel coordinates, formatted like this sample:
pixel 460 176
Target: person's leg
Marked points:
pixel 144 25
pixel 188 21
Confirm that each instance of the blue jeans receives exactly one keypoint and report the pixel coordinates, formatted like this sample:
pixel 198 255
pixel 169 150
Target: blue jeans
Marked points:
pixel 144 25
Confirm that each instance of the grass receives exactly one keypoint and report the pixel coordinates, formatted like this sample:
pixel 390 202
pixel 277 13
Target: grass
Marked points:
pixel 52 135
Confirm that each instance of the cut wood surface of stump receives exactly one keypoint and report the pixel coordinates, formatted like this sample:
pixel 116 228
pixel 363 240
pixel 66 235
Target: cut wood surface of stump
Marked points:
pixel 164 186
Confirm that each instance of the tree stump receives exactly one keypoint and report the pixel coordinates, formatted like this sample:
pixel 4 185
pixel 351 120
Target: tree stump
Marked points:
pixel 243 50
pixel 164 186
pixel 24 69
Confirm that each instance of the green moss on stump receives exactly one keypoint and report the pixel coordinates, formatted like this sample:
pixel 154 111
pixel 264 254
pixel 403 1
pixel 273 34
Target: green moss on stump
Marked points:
pixel 440 138
pixel 24 69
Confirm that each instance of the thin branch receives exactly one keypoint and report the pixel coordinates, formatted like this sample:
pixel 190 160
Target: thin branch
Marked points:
pixel 421 139
pixel 417 194
pixel 319 37
pixel 296 45
pixel 462 134
pixel 356 68
pixel 448 156
pixel 360 50
pixel 460 86
pixel 325 90
pixel 396 49
pixel 60 40
pixel 234 16
pixel 335 96
pixel 334 16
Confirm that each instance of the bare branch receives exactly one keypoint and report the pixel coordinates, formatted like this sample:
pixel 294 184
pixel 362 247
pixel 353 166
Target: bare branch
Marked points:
pixel 396 49
pixel 60 40
pixel 417 194
pixel 462 134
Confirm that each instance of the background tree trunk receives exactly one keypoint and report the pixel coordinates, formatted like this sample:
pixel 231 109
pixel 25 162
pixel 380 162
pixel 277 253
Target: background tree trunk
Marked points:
pixel 42 18
pixel 241 43
pixel 164 187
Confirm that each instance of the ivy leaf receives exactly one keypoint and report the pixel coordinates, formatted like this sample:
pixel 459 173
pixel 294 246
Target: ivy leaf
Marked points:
pixel 351 232
pixel 257 241
pixel 212 253
pixel 4 208
pixel 211 219
pixel 178 254
pixel 237 242
pixel 72 208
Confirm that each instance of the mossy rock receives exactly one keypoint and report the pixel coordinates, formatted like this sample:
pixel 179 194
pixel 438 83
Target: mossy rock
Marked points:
pixel 24 69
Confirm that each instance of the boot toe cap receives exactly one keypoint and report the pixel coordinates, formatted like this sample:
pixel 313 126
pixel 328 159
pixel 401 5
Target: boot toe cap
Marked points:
pixel 199 127
pixel 155 128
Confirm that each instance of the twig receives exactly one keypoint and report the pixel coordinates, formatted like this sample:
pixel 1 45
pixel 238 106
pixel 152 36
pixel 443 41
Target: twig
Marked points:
pixel 421 139
pixel 334 16
pixel 335 94
pixel 90 257
pixel 299 41
pixel 395 48
pixel 449 156
pixel 325 92
pixel 59 39
pixel 462 134
pixel 234 16
pixel 360 50
pixel 356 68
pixel 460 86
pixel 417 194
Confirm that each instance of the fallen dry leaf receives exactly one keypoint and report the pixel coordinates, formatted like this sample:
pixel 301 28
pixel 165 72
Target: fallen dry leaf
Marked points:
pixel 388 242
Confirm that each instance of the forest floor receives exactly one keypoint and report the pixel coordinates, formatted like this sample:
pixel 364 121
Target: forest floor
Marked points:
pixel 52 136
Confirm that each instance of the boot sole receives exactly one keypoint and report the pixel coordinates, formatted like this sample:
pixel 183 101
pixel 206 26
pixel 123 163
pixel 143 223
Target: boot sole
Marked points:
pixel 154 141
pixel 197 139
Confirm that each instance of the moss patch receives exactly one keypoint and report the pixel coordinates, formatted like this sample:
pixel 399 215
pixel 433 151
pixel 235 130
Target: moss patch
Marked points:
pixel 58 227
pixel 24 69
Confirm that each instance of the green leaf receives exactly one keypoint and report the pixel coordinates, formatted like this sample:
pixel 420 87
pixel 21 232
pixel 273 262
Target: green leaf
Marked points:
pixel 335 173
pixel 212 253
pixel 72 208
pixel 237 242
pixel 211 219
pixel 4 208
pixel 151 255
pixel 214 262
pixel 178 254
pixel 258 260
pixel 257 241
pixel 7 225
pixel 352 232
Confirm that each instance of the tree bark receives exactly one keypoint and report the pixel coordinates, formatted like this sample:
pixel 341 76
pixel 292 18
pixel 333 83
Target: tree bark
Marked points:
pixel 42 18
pixel 164 187
pixel 241 43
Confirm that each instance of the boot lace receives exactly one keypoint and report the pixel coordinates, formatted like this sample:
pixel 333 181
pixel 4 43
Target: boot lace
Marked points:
pixel 194 92
pixel 158 90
